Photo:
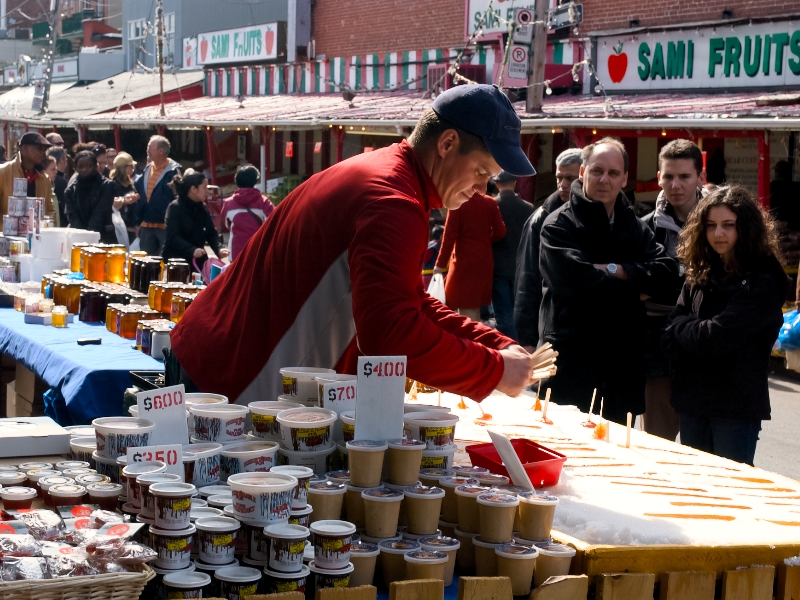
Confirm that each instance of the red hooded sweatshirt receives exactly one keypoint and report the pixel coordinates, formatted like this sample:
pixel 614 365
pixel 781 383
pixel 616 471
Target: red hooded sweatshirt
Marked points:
pixel 336 271
pixel 242 214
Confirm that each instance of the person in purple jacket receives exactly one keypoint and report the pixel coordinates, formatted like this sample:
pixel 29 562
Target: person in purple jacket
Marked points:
pixel 244 212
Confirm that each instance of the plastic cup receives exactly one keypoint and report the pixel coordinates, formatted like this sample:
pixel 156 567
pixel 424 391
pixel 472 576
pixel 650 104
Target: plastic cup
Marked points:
pixel 185 585
pixel 448 546
pixel 497 512
pixel 286 547
pixel 105 495
pixel 17 497
pixel 485 557
pixel 263 417
pixel 425 564
pixel 364 557
pixel 301 516
pixel 436 428
pixel 517 563
pixel 173 503
pixel 148 509
pixel 366 462
pixel 216 539
pixel 262 497
pixel 13 479
pixel 275 582
pixel 536 514
pixel 236 583
pixel 465 556
pixel 467 502
pixel 381 511
pixel 553 560
pixel 450 503
pixel 404 458
pixel 327 499
pixel 438 459
pixel 303 476
pixel 247 457
pixel 133 470
pixel 221 423
pixel 116 434
pixel 423 505
pixel 67 494
pixel 354 504
pixel 332 541
pixel 304 429
pixel 392 557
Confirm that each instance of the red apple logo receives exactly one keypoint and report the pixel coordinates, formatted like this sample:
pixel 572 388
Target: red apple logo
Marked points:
pixel 203 50
pixel 269 41
pixel 617 64
pixel 188 53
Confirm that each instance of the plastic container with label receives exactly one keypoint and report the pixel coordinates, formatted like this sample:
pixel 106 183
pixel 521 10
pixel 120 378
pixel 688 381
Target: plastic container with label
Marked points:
pixel 275 582
pixel 221 423
pixel 332 541
pixel 300 383
pixel 17 498
pixel 133 470
pixel 116 434
pixel 303 476
pixel 262 497
pixel 236 583
pixel 304 429
pixel 216 539
pixel 435 428
pixel 517 563
pixel 247 457
pixel 327 500
pixel 366 462
pixel 325 578
pixel 172 503
pixel 144 482
pixel 185 585
pixel 286 547
pixel 449 546
pixel 263 418
pixel 206 470
pixel 425 564
pixel 393 559
pixel 173 547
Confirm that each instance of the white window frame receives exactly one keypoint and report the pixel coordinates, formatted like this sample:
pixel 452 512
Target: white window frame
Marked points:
pixel 137 33
pixel 169 39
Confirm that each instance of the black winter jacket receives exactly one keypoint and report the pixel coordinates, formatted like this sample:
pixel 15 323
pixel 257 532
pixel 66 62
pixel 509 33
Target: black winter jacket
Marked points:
pixel 515 212
pixel 596 320
pixel 719 339
pixel 189 226
pixel 528 281
pixel 89 207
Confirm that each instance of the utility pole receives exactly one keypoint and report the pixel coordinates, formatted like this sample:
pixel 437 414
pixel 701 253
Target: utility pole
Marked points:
pixel 533 103
pixel 52 20
pixel 160 50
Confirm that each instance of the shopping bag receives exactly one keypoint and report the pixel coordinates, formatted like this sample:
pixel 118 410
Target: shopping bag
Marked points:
pixel 120 229
pixel 789 336
pixel 436 288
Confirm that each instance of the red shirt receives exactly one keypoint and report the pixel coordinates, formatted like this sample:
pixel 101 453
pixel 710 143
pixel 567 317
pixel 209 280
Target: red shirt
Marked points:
pixel 336 270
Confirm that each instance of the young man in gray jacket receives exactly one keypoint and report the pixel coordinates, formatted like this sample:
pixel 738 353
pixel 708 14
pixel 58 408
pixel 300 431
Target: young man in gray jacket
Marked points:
pixel 681 177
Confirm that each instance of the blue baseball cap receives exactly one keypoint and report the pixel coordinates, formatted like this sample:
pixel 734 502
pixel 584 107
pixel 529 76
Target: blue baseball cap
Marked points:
pixel 485 111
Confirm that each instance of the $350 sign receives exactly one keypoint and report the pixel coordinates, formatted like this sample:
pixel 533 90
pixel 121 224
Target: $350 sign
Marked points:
pixel 166 407
pixel 171 455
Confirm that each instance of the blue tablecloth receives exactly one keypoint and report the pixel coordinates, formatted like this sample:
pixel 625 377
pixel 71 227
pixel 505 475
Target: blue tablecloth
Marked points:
pixel 87 381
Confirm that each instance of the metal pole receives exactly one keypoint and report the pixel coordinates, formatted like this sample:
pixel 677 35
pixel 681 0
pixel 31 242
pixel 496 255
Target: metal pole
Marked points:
pixel 160 51
pixel 533 103
pixel 51 57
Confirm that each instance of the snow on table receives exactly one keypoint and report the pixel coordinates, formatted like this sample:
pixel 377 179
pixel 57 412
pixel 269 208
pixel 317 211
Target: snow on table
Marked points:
pixel 655 492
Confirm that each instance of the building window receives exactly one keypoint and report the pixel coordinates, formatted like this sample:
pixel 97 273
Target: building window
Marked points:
pixel 169 39
pixel 137 34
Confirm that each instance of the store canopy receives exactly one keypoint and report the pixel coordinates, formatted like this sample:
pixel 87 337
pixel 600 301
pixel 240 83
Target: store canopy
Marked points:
pixel 17 102
pixel 752 110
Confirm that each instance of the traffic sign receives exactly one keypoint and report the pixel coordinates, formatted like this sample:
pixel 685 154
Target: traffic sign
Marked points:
pixel 518 62
pixel 523 33
pixel 566 15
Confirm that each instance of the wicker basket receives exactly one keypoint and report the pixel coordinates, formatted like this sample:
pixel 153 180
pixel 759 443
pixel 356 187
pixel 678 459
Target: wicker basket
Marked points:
pixel 112 586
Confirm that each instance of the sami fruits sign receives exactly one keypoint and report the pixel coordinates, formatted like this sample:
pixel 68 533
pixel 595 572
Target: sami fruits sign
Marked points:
pixel 246 44
pixel 742 56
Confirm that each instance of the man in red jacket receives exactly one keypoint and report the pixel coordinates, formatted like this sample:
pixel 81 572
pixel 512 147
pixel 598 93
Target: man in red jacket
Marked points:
pixel 335 271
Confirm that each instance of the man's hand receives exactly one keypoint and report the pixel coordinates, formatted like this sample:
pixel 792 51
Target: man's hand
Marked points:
pixel 517 370
pixel 198 252
pixel 224 252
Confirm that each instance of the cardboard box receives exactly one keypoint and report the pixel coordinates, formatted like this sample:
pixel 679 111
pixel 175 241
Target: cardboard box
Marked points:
pixel 32 436
pixel 19 406
pixel 11 400
pixel 29 385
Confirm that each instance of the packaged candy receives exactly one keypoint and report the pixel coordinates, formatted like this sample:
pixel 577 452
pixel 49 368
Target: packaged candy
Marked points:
pixel 43 525
pixel 24 569
pixel 133 553
pixel 18 545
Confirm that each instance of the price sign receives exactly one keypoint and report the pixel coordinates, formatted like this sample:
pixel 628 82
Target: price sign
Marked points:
pixel 339 395
pixel 166 408
pixel 381 391
pixel 171 455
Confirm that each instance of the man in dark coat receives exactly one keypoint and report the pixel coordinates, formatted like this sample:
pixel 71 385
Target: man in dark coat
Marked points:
pixel 89 198
pixel 515 212
pixel 528 285
pixel 598 263
pixel 60 183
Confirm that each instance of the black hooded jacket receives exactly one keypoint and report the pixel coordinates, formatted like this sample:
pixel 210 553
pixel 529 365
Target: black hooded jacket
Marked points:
pixel 189 227
pixel 89 204
pixel 719 339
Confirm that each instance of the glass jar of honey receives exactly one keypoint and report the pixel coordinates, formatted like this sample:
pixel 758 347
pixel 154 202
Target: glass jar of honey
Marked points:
pixel 115 265
pixel 112 310
pixel 75 258
pixel 152 272
pixel 180 302
pixel 151 293
pixel 131 255
pixel 136 299
pixel 128 319
pixel 96 270
pixel 165 305
pixel 59 317
pixel 72 296
pixel 177 270
pixel 92 306
pixel 134 272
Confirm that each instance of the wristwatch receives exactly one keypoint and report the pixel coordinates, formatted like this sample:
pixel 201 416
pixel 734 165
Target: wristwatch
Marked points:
pixel 612 269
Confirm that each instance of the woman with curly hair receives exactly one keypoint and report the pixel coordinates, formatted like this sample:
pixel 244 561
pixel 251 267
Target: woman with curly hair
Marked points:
pixel 726 321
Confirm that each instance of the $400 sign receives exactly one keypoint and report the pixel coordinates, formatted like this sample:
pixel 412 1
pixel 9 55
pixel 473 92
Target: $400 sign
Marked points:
pixel 381 392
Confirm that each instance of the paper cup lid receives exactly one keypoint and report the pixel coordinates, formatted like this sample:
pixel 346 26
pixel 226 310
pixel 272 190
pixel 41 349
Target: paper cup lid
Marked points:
pixel 535 498
pixel 511 490
pixel 17 493
pixel 364 549
pixel 104 489
pixel 46 482
pixel 441 543
pixel 35 466
pixel 551 549
pixel 72 464
pixel 189 580
pixel 456 481
pixel 37 474
pixel 326 487
pixel 293 470
pixel 367 445
pixel 149 478
pixel 78 471
pixel 201 566
pixel 173 532
pixel 423 491
pixel 218 524
pixel 471 490
pixel 85 480
pixel 427 557
pixel 517 551
pixel 382 494
pixel 301 512
pixel 312 566
pixel 304 572
pixel 220 500
pixel 286 531
pixel 67 490
pixel 406 444
pixel 8 478
pixel 338 475
pixel 398 546
pixel 238 574
pixel 214 490
pixel 204 512
pixel 332 528
pixel 491 499
pixel 141 468
pixel 470 471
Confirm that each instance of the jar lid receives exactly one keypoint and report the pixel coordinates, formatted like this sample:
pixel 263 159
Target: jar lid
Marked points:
pixel 423 491
pixel 470 471
pixel 491 499
pixel 47 482
pixel 367 445
pixel 72 464
pixel 431 472
pixel 332 528
pixel 406 444
pixel 492 479
pixel 91 478
pixel 326 487
pixel 105 490
pixel 398 546
pixel 439 543
pixel 218 524
pixel 456 481
pixel 536 498
pixel 17 493
pixel 30 466
pixel 426 557
pixel 8 478
pixel 67 490
pixel 286 531
pixel 338 475
pixel 382 494
pixel 190 580
pixel 551 549
pixel 364 549
pixel 517 551
pixel 37 474
pixel 511 490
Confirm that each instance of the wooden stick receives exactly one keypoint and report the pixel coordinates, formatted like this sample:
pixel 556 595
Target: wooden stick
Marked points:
pixel 602 400
pixel 608 431
pixel 546 403
pixel 543 373
pixel 628 437
pixel 591 406
pixel 544 363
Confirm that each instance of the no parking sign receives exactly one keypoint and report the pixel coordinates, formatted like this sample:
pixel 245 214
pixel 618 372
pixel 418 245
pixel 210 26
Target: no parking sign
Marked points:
pixel 523 33
pixel 517 66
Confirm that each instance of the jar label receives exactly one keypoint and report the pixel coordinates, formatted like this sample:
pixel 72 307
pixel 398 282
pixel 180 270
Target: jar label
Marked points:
pixel 287 586
pixel 312 433
pixel 429 462
pixel 437 431
pixel 223 540
pixel 332 544
pixel 289 386
pixel 176 545
pixel 185 504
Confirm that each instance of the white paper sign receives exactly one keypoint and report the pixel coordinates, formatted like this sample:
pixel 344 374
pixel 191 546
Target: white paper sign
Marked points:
pixel 381 393
pixel 171 455
pixel 166 408
pixel 338 396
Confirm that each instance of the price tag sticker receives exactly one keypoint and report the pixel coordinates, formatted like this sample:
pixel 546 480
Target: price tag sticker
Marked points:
pixel 338 396
pixel 381 392
pixel 166 408
pixel 171 455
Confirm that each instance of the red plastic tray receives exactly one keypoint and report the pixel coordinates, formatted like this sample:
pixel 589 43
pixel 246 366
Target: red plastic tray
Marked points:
pixel 542 465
